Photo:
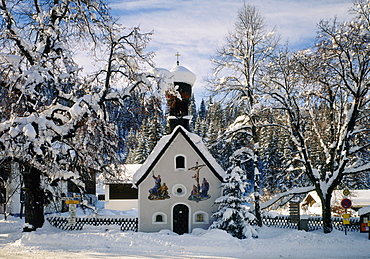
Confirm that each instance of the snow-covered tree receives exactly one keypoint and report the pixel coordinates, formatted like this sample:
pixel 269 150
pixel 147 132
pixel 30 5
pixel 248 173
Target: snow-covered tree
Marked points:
pixel 200 127
pixel 280 172
pixel 232 214
pixel 10 184
pixel 193 112
pixel 324 93
pixel 54 123
pixel 202 113
pixel 141 142
pixel 237 69
pixel 142 150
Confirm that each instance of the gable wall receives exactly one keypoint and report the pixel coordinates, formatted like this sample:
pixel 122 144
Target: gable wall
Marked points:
pixel 166 168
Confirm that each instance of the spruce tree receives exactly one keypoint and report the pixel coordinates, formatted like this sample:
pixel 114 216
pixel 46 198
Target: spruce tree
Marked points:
pixel 193 113
pixel 233 215
pixel 142 150
pixel 202 113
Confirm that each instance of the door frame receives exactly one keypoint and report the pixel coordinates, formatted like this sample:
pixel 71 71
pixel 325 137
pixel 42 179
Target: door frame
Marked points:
pixel 189 216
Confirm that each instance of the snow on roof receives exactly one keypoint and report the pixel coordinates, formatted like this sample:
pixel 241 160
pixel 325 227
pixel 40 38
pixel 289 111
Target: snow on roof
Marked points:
pixel 127 173
pixel 131 169
pixel 164 143
pixel 364 210
pixel 183 75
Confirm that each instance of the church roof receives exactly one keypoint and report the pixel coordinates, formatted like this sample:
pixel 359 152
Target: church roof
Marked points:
pixel 163 144
pixel 183 75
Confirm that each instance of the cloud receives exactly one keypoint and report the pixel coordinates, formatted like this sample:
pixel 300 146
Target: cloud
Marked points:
pixel 195 28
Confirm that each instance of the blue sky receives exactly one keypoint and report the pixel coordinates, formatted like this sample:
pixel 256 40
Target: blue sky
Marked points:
pixel 195 28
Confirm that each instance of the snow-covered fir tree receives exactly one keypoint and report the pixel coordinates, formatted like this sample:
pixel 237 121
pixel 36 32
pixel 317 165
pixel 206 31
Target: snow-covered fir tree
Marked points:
pixel 141 142
pixel 232 214
pixel 193 112
pixel 142 150
pixel 201 121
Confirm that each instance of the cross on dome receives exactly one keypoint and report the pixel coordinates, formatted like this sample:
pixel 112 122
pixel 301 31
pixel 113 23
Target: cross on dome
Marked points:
pixel 177 58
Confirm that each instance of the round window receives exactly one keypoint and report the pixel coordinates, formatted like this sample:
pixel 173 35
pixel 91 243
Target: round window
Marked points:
pixel 179 190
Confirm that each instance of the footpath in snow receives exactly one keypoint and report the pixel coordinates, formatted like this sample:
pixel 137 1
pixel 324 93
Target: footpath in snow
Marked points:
pixel 111 242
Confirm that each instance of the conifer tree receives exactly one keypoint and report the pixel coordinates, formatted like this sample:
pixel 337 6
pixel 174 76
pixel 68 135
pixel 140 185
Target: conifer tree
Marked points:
pixel 202 113
pixel 142 151
pixel 193 112
pixel 233 215
pixel 131 146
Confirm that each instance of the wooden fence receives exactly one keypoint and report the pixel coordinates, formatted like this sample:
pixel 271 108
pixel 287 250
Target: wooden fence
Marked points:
pixel 127 224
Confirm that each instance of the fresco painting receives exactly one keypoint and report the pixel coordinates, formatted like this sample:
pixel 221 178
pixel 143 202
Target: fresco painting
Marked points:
pixel 159 191
pixel 199 191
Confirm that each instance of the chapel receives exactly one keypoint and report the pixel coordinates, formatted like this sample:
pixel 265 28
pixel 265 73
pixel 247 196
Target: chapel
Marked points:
pixel 180 180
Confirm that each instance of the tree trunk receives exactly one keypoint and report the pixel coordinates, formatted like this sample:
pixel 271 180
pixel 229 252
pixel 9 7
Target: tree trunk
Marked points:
pixel 34 206
pixel 257 191
pixel 326 213
pixel 5 213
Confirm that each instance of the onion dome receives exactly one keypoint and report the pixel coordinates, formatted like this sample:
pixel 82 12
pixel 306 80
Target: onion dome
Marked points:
pixel 183 75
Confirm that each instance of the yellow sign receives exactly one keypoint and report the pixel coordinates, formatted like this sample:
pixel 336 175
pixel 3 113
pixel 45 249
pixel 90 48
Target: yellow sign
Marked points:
pixel 346 192
pixel 368 223
pixel 72 202
pixel 346 216
pixel 346 222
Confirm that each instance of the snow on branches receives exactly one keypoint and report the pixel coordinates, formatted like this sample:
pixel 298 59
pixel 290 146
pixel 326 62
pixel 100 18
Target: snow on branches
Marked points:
pixel 233 215
pixel 53 121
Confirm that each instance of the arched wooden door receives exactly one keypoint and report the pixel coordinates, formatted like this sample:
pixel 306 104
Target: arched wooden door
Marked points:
pixel 181 219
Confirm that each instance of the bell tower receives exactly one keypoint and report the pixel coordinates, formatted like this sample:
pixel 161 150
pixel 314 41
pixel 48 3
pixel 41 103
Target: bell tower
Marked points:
pixel 178 105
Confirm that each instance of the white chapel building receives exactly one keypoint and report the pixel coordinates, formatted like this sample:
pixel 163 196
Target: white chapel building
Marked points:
pixel 180 180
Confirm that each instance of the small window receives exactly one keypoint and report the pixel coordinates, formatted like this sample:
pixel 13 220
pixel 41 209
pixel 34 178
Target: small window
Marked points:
pixel 159 218
pixel 180 162
pixel 200 217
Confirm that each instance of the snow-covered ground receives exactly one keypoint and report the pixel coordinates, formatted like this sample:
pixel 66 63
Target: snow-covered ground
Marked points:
pixel 110 242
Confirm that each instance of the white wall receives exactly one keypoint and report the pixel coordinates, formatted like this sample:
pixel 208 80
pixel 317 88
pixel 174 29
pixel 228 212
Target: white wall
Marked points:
pixel 121 204
pixel 166 168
